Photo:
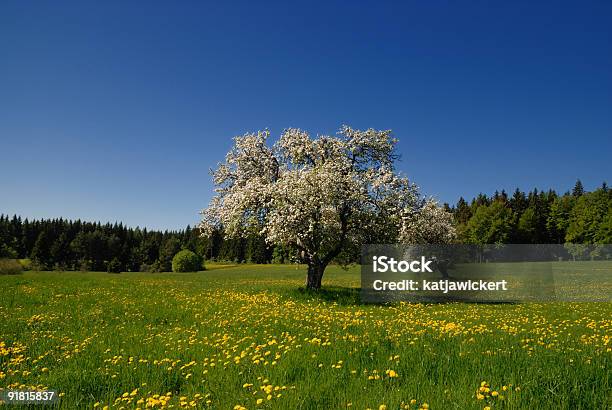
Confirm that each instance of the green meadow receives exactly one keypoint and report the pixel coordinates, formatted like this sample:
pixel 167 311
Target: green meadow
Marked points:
pixel 247 337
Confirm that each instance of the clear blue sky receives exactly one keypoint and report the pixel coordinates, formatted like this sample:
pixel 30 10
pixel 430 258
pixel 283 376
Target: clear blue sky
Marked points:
pixel 115 111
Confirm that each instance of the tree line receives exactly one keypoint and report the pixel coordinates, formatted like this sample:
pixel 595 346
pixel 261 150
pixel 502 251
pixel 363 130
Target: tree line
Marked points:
pixel 578 217
pixel 62 244
pixel 535 217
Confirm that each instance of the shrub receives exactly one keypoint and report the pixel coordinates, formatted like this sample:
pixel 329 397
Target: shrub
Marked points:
pixel 10 267
pixel 186 261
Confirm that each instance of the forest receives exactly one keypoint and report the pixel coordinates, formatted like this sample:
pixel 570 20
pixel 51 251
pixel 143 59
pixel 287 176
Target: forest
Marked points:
pixel 535 217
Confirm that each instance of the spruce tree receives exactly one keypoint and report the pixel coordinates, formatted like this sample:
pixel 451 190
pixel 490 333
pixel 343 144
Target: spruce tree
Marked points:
pixel 462 211
pixel 518 202
pixel 578 189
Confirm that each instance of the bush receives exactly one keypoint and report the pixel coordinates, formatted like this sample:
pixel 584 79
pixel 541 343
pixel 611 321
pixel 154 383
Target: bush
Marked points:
pixel 186 261
pixel 10 267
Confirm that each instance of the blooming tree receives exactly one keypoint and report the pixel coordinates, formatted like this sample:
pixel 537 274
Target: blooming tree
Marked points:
pixel 317 195
pixel 431 224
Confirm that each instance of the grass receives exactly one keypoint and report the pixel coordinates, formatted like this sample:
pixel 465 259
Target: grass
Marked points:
pixel 247 336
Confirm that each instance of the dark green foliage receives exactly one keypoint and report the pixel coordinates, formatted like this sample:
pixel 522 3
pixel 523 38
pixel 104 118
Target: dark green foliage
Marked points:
pixel 153 267
pixel 41 253
pixel 538 217
pixel 281 254
pixel 604 233
pixel 60 251
pixel 463 213
pixel 168 249
pixel 578 189
pixel 587 217
pixel 186 261
pixel 75 245
pixel 10 237
pixel 257 250
pixel 114 266
pixel 559 217
pixel 518 203
pixel 527 226
pixel 233 250
pixel 7 252
pixel 490 224
pixel 94 249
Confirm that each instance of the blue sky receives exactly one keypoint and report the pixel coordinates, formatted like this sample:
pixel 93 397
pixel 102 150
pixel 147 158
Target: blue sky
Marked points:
pixel 115 111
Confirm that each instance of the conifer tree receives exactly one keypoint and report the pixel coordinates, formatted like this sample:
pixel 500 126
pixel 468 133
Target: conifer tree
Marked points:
pixel 578 189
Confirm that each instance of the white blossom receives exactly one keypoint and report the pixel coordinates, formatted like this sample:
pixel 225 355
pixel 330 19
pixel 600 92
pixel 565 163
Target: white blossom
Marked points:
pixel 431 224
pixel 320 194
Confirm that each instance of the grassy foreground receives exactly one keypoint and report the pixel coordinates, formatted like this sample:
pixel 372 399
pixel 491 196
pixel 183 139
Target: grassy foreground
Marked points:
pixel 246 337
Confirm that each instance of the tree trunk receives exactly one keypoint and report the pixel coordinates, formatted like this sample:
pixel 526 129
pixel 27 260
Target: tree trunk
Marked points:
pixel 315 274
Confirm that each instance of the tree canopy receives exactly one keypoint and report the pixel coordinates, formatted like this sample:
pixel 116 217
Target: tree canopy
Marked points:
pixel 318 195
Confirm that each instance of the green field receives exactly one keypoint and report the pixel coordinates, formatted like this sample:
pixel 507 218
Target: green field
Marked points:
pixel 246 337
